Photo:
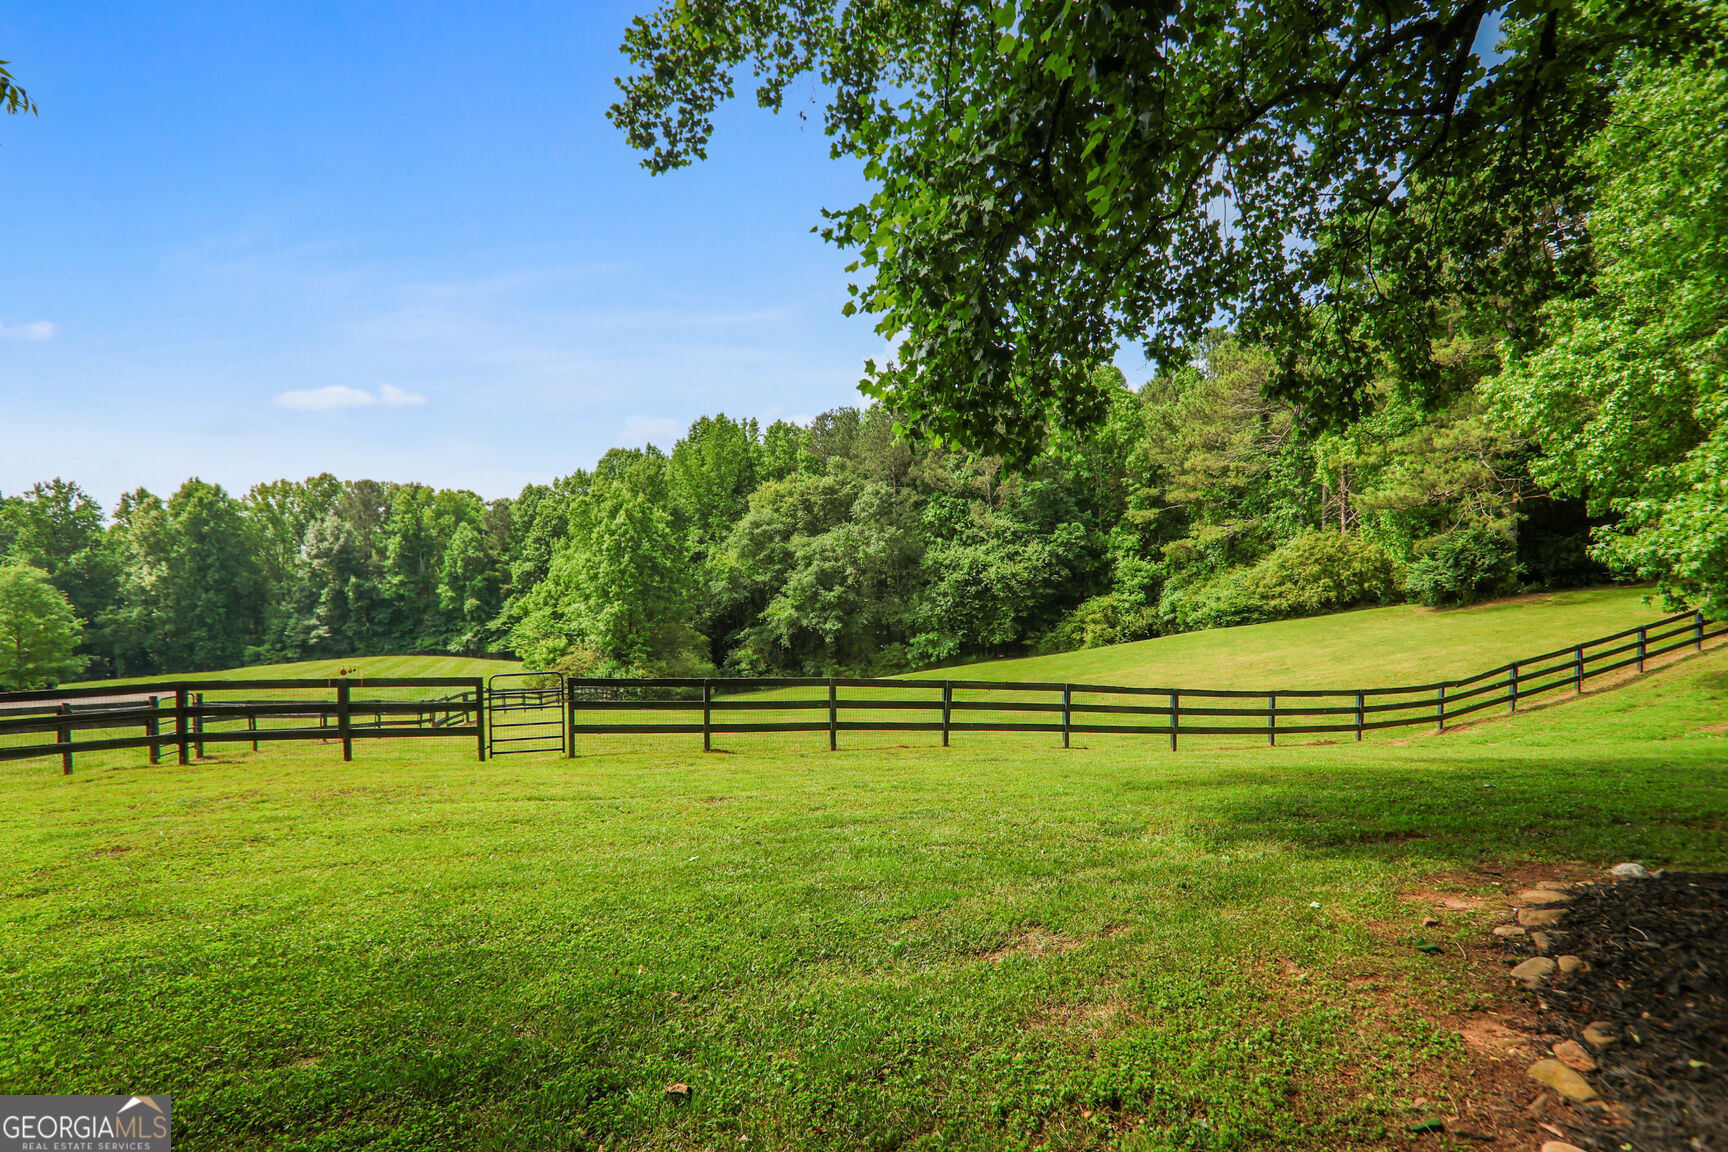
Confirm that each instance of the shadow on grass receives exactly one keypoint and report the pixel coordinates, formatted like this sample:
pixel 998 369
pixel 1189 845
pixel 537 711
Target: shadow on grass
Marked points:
pixel 1663 810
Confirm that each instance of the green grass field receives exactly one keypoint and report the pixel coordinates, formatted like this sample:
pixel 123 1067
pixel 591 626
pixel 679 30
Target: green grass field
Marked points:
pixel 997 945
pixel 1405 644
pixel 362 666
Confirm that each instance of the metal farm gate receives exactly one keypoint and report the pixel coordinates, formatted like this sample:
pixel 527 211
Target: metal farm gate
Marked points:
pixel 525 713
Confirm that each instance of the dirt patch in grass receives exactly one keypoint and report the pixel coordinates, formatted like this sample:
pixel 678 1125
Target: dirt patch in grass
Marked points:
pixel 1093 1019
pixel 1480 1095
pixel 1034 942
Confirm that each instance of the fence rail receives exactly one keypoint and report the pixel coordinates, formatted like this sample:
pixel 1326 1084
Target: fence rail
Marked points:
pixel 186 716
pixel 546 711
pixel 690 706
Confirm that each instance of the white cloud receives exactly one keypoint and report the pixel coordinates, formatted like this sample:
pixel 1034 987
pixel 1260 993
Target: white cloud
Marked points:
pixel 661 430
pixel 399 397
pixel 338 396
pixel 40 330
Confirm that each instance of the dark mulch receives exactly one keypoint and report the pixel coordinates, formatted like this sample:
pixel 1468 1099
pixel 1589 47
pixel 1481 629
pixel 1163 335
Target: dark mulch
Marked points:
pixel 1658 954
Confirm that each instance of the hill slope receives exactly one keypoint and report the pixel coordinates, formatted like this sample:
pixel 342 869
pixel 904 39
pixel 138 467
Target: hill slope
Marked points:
pixel 1405 644
pixel 367 666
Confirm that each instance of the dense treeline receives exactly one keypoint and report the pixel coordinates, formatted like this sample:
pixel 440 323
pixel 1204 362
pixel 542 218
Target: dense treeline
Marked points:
pixel 836 547
pixel 318 567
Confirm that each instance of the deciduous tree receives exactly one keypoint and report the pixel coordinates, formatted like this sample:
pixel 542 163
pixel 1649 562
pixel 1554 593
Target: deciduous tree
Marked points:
pixel 38 631
pixel 1055 179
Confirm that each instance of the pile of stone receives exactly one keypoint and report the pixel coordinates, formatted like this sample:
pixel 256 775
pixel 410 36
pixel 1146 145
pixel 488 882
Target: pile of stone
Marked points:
pixel 1632 971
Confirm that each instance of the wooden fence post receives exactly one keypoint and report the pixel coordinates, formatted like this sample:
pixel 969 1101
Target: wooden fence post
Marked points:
pixel 63 735
pixel 569 719
pixel 1271 719
pixel 1175 713
pixel 1440 711
pixel 183 723
pixel 1578 670
pixel 1067 707
pixel 1641 646
pixel 252 727
pixel 1360 709
pixel 1698 631
pixel 153 729
pixel 833 716
pixel 198 724
pixel 1512 697
pixel 707 716
pixel 342 726
pixel 947 707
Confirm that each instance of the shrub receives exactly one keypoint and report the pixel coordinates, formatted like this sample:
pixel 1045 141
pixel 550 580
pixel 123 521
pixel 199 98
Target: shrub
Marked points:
pixel 1462 566
pixel 1108 619
pixel 1320 572
pixel 1312 573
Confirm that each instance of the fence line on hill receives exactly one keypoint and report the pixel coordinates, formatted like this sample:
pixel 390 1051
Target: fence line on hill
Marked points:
pixel 546 711
pixel 670 704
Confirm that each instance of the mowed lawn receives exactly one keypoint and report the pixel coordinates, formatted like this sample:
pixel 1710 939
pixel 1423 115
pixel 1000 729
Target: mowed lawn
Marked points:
pixel 364 667
pixel 1374 647
pixel 997 945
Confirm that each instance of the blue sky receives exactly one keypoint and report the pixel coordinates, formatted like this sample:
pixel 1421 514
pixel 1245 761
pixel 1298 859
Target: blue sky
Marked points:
pixel 231 220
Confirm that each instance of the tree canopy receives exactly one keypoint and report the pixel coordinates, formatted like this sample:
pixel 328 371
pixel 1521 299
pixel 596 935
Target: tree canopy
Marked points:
pixel 38 632
pixel 1053 180
pixel 1628 395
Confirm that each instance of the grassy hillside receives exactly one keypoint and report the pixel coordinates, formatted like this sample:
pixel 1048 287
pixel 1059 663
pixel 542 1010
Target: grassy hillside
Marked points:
pixel 366 666
pixel 1378 646
pixel 997 945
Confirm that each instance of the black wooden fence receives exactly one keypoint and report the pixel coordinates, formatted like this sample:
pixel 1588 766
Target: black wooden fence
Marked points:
pixel 185 716
pixel 713 707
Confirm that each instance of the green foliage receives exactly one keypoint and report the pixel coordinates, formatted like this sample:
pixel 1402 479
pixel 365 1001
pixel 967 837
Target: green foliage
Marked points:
pixel 57 527
pixel 1629 398
pixel 1053 181
pixel 1320 572
pixel 38 630
pixel 11 96
pixel 619 596
pixel 1312 573
pixel 1113 618
pixel 1462 566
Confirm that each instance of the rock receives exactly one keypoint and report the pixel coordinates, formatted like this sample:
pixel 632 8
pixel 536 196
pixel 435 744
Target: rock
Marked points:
pixel 1533 971
pixel 1599 1034
pixel 1572 1054
pixel 678 1093
pixel 1540 917
pixel 1573 965
pixel 1630 871
pixel 1541 941
pixel 1430 922
pixel 1509 930
pixel 1541 896
pixel 1560 1146
pixel 1562 1079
